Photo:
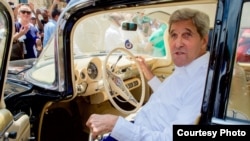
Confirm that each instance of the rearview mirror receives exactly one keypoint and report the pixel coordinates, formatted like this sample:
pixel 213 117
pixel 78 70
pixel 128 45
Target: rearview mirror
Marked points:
pixel 129 26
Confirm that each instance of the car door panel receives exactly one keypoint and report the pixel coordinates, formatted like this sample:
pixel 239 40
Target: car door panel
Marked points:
pixel 13 128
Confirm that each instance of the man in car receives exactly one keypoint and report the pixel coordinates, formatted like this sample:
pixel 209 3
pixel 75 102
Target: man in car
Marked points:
pixel 178 99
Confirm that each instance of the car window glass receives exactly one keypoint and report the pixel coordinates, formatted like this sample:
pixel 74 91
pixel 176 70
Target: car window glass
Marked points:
pixel 2 36
pixel 137 31
pixel 46 59
pixel 239 98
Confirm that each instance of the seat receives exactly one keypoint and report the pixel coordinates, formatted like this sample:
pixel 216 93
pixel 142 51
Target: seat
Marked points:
pixel 17 127
pixel 239 98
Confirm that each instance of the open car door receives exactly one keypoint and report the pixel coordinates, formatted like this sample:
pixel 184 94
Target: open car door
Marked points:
pixel 12 127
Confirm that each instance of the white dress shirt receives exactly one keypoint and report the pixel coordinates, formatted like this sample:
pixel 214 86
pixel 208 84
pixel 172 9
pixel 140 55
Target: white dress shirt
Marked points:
pixel 176 101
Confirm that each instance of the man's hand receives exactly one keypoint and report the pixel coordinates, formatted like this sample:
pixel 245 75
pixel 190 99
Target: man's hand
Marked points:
pixel 101 124
pixel 38 11
pixel 146 71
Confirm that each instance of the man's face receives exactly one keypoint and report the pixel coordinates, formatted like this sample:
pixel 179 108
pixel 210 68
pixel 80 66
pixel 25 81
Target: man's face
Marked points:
pixel 45 15
pixel 33 20
pixel 185 43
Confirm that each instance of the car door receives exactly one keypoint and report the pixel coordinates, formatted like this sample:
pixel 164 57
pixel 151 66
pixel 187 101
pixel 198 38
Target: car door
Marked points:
pixel 227 94
pixel 12 127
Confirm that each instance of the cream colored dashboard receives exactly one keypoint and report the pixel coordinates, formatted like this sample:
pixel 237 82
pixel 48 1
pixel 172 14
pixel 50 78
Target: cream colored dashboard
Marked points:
pixel 89 75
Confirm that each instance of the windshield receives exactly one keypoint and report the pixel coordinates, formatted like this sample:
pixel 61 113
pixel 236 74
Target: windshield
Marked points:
pixel 134 31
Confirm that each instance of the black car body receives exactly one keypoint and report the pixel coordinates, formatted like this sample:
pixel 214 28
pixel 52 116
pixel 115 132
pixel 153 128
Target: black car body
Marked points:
pixel 56 93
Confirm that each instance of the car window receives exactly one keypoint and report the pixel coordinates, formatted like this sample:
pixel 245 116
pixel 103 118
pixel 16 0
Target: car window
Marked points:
pixel 239 98
pixel 2 36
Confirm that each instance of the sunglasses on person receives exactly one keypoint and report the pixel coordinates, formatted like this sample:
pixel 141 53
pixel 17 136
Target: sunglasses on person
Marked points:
pixel 27 12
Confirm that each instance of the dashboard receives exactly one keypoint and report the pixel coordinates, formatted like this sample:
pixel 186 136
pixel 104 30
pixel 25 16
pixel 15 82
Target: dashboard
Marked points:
pixel 89 73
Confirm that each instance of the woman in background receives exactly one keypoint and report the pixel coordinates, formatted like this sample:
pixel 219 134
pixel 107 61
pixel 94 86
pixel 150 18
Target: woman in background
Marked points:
pixel 26 32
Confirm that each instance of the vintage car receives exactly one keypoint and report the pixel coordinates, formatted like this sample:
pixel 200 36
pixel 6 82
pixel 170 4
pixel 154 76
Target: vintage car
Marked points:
pixel 89 67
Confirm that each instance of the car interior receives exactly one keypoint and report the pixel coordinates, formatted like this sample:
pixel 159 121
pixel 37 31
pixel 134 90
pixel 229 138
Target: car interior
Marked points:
pixel 98 65
pixel 106 76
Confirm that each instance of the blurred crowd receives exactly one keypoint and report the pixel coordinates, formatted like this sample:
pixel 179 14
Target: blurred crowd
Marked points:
pixel 34 27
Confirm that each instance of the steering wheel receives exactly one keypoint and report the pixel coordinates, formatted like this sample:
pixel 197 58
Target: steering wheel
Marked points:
pixel 114 84
pixel 99 138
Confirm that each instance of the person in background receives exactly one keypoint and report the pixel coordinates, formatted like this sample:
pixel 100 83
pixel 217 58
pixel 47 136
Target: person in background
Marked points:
pixel 50 27
pixel 157 41
pixel 14 9
pixel 33 20
pixel 41 22
pixel 38 44
pixel 26 32
pixel 178 99
pixel 12 5
pixel 113 34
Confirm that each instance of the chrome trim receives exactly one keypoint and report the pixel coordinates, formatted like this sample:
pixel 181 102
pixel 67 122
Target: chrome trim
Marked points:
pixel 59 46
pixel 228 122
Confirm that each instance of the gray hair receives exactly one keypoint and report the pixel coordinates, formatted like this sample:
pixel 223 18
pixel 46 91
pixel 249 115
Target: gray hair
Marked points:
pixel 200 19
